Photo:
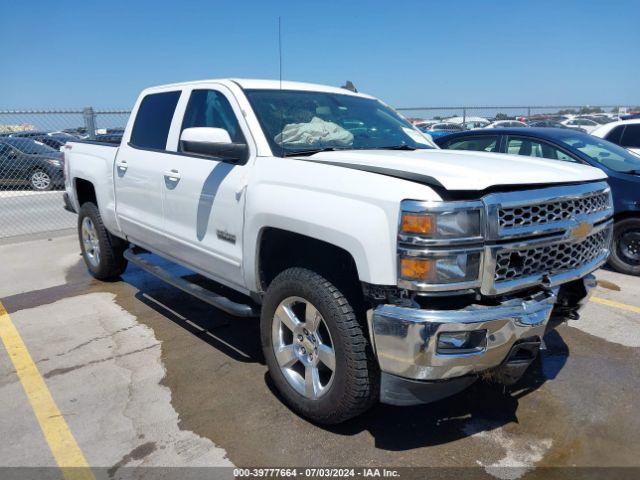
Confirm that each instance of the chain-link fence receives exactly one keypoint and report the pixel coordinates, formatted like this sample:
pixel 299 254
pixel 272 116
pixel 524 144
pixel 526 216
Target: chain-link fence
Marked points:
pixel 477 117
pixel 31 164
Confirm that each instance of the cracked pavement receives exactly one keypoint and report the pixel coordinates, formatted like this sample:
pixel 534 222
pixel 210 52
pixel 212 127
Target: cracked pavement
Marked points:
pixel 145 375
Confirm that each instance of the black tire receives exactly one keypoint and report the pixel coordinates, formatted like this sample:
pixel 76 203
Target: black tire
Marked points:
pixel 622 258
pixel 356 380
pixel 111 263
pixel 40 180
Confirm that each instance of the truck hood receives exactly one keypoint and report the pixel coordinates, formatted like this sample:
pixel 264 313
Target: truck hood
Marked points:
pixel 462 170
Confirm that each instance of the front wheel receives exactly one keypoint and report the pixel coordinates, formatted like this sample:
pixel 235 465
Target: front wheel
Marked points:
pixel 102 252
pixel 318 354
pixel 625 251
pixel 40 181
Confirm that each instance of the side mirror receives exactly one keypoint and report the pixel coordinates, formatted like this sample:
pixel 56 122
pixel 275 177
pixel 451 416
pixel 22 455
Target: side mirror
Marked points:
pixel 212 142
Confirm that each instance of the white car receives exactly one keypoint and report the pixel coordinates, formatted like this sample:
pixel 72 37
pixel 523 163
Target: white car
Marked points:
pixel 507 124
pixel 470 123
pixel 625 133
pixel 382 268
pixel 581 123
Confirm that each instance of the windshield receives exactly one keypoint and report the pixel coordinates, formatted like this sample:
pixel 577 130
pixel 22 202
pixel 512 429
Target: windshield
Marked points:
pixel 608 154
pixel 26 145
pixel 299 122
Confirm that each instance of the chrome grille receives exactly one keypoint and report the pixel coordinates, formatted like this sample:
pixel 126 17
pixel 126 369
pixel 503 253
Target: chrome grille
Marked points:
pixel 541 213
pixel 551 259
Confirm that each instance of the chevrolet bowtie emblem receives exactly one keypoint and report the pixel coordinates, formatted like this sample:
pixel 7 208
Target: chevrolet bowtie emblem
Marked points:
pixel 581 231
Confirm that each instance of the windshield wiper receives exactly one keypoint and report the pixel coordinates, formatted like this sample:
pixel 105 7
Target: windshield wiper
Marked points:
pixel 297 153
pixel 404 146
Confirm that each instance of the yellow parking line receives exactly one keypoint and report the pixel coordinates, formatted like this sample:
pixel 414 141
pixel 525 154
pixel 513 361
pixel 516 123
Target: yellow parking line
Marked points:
pixel 611 303
pixel 63 446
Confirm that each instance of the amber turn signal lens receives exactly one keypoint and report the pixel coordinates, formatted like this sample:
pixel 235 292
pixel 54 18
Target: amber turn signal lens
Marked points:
pixel 415 268
pixel 421 224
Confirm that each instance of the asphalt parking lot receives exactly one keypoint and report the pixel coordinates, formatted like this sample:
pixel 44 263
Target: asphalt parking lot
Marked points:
pixel 25 212
pixel 142 374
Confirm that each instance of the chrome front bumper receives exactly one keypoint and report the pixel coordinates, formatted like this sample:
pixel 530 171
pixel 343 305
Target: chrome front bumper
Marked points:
pixel 405 339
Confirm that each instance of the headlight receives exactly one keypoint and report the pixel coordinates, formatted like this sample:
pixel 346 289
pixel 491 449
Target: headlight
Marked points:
pixel 440 245
pixel 54 161
pixel 463 224
pixel 441 268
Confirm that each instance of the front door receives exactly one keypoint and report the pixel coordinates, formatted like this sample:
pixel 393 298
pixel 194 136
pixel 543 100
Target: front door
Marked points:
pixel 203 196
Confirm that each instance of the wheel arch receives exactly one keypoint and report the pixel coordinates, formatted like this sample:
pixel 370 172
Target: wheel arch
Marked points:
pixel 279 249
pixel 85 191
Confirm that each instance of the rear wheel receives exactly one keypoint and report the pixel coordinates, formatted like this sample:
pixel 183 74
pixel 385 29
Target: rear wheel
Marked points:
pixel 317 352
pixel 625 251
pixel 102 252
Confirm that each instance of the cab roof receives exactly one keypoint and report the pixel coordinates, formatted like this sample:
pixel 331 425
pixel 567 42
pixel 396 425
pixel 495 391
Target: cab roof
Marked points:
pixel 259 84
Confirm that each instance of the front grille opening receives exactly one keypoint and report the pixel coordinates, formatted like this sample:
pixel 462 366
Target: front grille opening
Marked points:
pixel 527 215
pixel 552 259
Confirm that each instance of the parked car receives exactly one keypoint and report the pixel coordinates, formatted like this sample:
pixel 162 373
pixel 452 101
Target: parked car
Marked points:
pixel 27 134
pixel 582 123
pixel 24 161
pixel 382 268
pixel 54 140
pixel 622 167
pixel 470 123
pixel 443 128
pixel 625 133
pixel 423 125
pixel 507 124
pixel 115 138
pixel 550 124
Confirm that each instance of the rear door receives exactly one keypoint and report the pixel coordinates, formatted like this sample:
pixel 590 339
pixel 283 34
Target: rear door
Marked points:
pixel 139 167
pixel 204 196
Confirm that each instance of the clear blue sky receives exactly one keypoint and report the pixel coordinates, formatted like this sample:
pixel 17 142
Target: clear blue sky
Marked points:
pixel 409 53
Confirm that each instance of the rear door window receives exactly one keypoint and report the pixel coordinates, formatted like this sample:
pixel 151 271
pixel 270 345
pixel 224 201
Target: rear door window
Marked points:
pixel 153 120
pixel 484 143
pixel 631 136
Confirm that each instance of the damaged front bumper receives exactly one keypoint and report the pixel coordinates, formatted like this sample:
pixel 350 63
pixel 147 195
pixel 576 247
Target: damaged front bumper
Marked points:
pixel 425 355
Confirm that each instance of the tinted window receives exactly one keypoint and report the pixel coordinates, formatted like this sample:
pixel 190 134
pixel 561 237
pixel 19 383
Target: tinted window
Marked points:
pixel 27 145
pixel 153 120
pixel 535 148
pixel 615 135
pixel 631 136
pixel 208 108
pixel 480 143
pixel 5 150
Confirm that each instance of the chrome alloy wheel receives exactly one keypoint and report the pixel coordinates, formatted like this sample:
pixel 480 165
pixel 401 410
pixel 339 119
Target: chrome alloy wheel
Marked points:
pixel 303 347
pixel 40 180
pixel 90 242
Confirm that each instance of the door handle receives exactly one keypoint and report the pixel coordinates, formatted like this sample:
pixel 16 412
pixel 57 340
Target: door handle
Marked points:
pixel 173 175
pixel 122 165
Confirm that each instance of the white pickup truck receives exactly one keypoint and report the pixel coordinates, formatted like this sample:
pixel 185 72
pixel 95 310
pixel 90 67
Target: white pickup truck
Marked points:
pixel 382 268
